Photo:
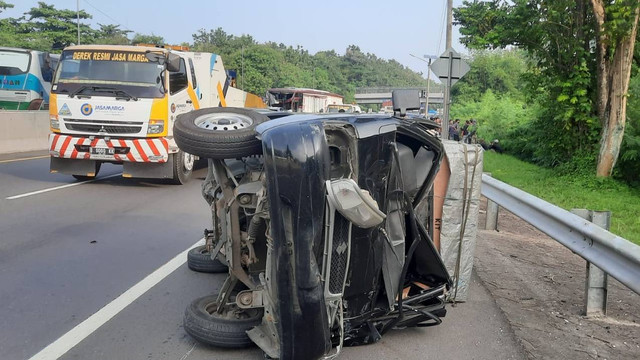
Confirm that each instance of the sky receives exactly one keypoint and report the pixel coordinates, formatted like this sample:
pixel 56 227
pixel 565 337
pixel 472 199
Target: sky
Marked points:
pixel 388 29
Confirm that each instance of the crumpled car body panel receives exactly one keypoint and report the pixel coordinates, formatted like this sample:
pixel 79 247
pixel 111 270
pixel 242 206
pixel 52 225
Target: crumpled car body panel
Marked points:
pixel 299 157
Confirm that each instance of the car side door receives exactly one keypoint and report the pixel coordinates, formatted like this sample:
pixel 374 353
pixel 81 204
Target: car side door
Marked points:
pixel 180 102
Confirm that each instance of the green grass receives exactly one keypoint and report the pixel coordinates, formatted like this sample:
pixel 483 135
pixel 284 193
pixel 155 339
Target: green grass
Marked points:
pixel 572 191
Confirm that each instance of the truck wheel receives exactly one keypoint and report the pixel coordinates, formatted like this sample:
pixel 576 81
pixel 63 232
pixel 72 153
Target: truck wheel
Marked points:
pixel 85 177
pixel 182 167
pixel 228 330
pixel 219 133
pixel 199 259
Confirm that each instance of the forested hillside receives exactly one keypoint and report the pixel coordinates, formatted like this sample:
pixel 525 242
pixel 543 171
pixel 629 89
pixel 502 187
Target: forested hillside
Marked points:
pixel 260 66
pixel 278 65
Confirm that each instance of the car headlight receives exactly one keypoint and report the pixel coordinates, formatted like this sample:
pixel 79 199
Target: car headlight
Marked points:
pixel 155 127
pixel 353 203
pixel 54 123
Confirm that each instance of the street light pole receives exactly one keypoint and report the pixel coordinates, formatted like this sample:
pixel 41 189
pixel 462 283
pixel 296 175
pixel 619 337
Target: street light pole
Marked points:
pixel 449 22
pixel 447 99
pixel 426 104
pixel 430 57
pixel 78 18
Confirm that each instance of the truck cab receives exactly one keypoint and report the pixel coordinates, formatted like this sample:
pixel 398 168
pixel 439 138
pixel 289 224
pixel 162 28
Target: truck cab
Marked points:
pixel 117 104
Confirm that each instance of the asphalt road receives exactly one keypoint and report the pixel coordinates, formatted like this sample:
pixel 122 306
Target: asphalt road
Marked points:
pixel 69 251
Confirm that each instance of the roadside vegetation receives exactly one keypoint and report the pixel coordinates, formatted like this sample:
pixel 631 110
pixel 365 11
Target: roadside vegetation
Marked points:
pixel 569 191
pixel 567 65
pixel 498 94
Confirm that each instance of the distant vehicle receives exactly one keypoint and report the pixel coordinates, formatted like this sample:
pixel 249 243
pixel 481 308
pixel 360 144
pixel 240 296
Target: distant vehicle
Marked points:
pixel 25 78
pixel 344 108
pixel 302 99
pixel 117 104
pixel 386 109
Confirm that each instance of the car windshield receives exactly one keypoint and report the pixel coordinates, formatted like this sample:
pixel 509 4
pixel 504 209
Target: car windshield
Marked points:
pixel 14 62
pixel 130 72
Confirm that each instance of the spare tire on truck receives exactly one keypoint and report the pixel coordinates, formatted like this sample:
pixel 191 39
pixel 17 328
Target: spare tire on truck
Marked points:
pixel 219 133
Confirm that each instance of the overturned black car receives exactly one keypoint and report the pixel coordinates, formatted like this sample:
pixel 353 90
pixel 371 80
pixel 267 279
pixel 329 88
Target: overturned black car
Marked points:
pixel 314 219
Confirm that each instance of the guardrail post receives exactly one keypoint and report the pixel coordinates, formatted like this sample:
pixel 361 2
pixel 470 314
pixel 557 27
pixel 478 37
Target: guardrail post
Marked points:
pixel 492 216
pixel 595 294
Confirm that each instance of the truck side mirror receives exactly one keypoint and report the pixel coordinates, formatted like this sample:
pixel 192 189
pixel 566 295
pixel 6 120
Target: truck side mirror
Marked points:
pixel 154 57
pixel 173 62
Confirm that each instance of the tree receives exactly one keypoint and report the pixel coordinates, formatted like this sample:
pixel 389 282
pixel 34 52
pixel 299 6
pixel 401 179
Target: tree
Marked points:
pixel 212 40
pixel 5 6
pixel 558 35
pixel 112 35
pixel 628 166
pixel 617 26
pixel 278 65
pixel 498 71
pixel 57 26
pixel 147 39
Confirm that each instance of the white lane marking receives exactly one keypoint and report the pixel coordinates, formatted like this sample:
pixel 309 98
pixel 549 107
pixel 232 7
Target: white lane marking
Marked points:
pixel 60 187
pixel 72 338
pixel 23 159
pixel 186 355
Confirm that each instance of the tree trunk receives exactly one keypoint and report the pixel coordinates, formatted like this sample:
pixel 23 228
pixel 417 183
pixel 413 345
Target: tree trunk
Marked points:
pixel 613 85
pixel 601 51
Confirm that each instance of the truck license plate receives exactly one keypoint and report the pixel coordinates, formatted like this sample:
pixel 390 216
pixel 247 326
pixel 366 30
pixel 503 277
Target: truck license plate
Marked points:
pixel 102 151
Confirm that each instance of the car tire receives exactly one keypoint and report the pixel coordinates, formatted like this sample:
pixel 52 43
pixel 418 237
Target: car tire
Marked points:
pixel 85 177
pixel 199 260
pixel 183 163
pixel 227 330
pixel 219 133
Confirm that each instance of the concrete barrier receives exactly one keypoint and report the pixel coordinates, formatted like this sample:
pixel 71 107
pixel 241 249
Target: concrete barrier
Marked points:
pixel 22 131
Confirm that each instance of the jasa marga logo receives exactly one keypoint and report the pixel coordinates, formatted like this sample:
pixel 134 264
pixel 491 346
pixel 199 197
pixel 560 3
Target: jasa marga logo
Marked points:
pixel 86 109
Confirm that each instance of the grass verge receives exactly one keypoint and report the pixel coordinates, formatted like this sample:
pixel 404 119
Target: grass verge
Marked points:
pixel 572 191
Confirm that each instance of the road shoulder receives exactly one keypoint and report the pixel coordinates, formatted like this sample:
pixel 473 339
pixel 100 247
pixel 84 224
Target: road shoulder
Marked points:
pixel 539 285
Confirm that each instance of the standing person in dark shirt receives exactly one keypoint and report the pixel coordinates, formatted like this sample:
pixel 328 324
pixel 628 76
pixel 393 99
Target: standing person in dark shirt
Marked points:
pixel 473 129
pixel 464 132
pixel 456 126
pixel 452 131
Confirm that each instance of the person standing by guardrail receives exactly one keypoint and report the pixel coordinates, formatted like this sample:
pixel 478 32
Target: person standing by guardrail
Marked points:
pixel 473 129
pixel 453 130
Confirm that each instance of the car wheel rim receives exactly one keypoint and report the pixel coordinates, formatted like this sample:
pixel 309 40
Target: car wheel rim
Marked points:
pixel 230 312
pixel 188 161
pixel 223 122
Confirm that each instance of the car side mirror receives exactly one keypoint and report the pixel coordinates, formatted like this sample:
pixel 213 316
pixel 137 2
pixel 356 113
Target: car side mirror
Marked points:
pixel 173 62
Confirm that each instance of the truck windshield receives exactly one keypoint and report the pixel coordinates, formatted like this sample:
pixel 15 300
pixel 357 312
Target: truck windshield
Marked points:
pixel 14 62
pixel 130 72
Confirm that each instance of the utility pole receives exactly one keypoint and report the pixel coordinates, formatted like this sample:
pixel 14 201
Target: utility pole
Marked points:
pixel 78 18
pixel 447 92
pixel 426 104
pixel 449 22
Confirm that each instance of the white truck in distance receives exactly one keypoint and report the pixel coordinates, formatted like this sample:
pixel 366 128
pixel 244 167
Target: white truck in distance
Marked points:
pixel 117 104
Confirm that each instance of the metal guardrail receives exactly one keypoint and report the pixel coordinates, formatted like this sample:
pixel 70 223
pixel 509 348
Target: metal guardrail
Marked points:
pixel 616 256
